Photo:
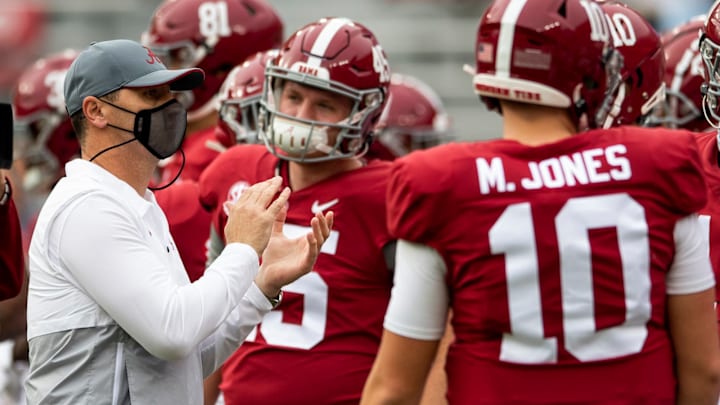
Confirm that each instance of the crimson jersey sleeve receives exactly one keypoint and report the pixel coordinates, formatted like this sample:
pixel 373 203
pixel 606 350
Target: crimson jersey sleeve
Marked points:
pixel 710 214
pixel 189 223
pixel 556 260
pixel 12 264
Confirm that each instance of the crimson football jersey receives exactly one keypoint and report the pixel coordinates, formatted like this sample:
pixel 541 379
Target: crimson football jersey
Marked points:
pixel 556 259
pixel 200 149
pixel 319 344
pixel 12 263
pixel 189 224
pixel 710 214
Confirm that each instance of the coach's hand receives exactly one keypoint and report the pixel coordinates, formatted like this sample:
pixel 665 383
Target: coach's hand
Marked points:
pixel 252 216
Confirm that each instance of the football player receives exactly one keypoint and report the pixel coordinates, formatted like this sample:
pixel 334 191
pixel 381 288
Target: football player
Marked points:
pixel 44 137
pixel 322 97
pixel 685 77
pixel 573 260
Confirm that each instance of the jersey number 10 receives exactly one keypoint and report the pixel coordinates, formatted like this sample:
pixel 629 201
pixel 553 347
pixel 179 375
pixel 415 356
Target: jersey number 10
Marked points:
pixel 526 342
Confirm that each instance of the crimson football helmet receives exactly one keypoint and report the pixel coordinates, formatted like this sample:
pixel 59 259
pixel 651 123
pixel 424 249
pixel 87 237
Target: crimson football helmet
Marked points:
pixel 214 36
pixel 336 55
pixel 414 117
pixel 709 47
pixel 46 139
pixel 239 98
pixel 643 66
pixel 556 53
pixel 684 77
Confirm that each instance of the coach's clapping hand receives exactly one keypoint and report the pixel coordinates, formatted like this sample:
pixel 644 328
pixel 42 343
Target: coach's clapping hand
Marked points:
pixel 285 260
pixel 251 218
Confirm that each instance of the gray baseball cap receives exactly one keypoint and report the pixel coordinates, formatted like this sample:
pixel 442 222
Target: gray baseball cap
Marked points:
pixel 108 66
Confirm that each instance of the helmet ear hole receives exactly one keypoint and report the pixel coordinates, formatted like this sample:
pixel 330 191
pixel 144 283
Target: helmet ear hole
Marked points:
pixel 639 82
pixel 563 9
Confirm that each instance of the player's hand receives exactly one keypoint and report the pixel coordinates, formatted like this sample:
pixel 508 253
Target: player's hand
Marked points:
pixel 251 217
pixel 285 260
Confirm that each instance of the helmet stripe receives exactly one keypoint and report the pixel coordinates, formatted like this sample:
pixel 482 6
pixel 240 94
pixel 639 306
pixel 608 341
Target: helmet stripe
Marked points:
pixel 324 38
pixel 507 36
pixel 682 67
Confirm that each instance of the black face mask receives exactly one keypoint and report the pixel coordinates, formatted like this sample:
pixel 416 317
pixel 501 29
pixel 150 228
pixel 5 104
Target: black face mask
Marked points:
pixel 160 130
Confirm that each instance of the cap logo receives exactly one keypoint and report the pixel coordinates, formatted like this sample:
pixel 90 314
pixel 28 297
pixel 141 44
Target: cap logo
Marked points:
pixel 152 58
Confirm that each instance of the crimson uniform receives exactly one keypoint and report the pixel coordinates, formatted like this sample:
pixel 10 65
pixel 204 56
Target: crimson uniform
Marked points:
pixel 557 257
pixel 12 263
pixel 319 344
pixel 189 223
pixel 200 149
pixel 710 214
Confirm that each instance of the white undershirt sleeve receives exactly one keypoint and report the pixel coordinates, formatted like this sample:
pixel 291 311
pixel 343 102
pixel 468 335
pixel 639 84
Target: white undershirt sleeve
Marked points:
pixel 691 270
pixel 131 282
pixel 419 302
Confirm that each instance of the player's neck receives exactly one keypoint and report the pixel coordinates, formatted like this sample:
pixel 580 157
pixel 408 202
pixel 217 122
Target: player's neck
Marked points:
pixel 303 175
pixel 535 125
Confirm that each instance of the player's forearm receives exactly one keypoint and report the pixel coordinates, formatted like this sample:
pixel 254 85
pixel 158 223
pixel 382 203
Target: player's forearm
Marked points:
pixel 693 330
pixel 378 393
pixel 400 370
pixel 211 387
pixel 698 387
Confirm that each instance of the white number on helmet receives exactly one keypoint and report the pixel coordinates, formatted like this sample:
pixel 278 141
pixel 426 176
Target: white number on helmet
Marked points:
pixel 214 22
pixel 598 26
pixel 380 64
pixel 621 29
pixel 54 82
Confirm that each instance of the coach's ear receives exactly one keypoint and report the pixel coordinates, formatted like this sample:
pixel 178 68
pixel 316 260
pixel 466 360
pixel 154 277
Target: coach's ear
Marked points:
pixel 92 108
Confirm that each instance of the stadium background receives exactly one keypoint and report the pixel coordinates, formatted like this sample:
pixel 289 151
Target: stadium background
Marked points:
pixel 430 39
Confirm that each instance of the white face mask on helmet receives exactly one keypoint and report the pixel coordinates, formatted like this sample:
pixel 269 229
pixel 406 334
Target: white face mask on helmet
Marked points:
pixel 295 138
